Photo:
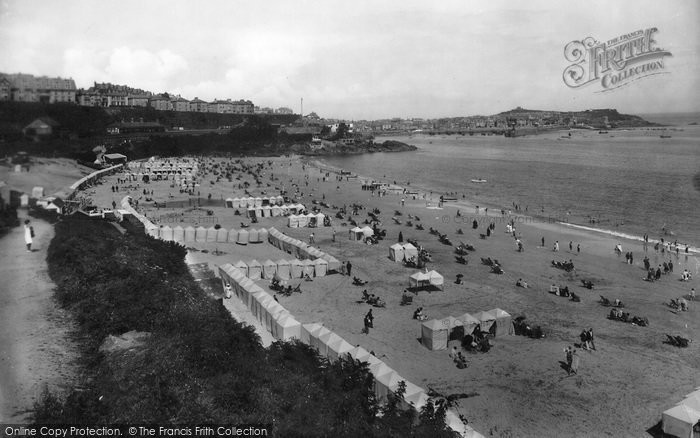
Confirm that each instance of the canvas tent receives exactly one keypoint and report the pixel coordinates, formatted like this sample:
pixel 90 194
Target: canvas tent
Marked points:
pixel 308 267
pixel 385 383
pixel 232 235
pixel 306 330
pixel 200 234
pixel 293 221
pixel 166 233
pixel 242 237
pixel 679 421
pixel 190 234
pixel 296 269
pixel 255 270
pixel 338 348
pixel 435 279
pixel 469 323
pixel 221 235
pixel 367 231
pixel 356 234
pixel 262 235
pixel 419 279
pixel 333 263
pixel 211 234
pixel 486 320
pixel 315 339
pixel 434 334
pixel 396 252
pixel 359 353
pixel 253 236
pixel 269 268
pixel 286 327
pixel 504 323
pixel 242 266
pixel 410 251
pixel 283 269
pixel 320 267
pixel 178 234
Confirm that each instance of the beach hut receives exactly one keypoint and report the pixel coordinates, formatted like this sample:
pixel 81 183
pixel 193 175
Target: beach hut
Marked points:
pixel 232 235
pixel 200 234
pixel 301 250
pixel 293 221
pixel 211 234
pixel 327 339
pixel 236 203
pixel 275 211
pixel 247 287
pixel 255 270
pixel 320 218
pixel 242 237
pixel 263 235
pixel 679 421
pixel 166 233
pixel 315 253
pixel 258 202
pixel 242 266
pixel 367 231
pixel 303 220
pixel 306 330
pixel 222 235
pixel 338 348
pixel 469 323
pixel 320 267
pixel 434 334
pixel 262 301
pixel 286 328
pixel 356 234
pixel 410 251
pixel 308 268
pixel 396 252
pixel 178 234
pixel 284 269
pixel 385 383
pixel 229 203
pixel 266 211
pixel 692 401
pixel 253 236
pixel 504 323
pixel 419 280
pixel 435 279
pixel 359 353
pixel 315 339
pixel 333 263
pixel 296 269
pixel 279 200
pixel 190 234
pixel 287 244
pixel 414 397
pixel 271 311
pixel 486 320
pixel 269 268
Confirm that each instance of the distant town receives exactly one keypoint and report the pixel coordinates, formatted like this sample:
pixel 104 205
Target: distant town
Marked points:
pixel 41 89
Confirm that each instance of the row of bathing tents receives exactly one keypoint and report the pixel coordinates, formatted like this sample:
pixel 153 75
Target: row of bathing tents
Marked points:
pixel 274 210
pixel 436 333
pixel 264 201
pixel 683 420
pixel 283 326
pixel 358 233
pixel 211 234
pixel 299 249
pixel 399 252
pixel 282 269
pixel 305 220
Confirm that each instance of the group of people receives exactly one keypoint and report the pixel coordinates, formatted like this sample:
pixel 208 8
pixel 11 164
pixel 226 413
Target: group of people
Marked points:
pixel 572 360
pixel 459 359
pixel 586 337
pixel 419 315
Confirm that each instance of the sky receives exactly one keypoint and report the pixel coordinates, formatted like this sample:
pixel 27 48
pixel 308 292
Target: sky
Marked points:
pixel 355 59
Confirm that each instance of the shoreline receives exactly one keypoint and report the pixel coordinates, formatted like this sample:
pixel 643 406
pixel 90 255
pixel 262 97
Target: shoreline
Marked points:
pixel 470 207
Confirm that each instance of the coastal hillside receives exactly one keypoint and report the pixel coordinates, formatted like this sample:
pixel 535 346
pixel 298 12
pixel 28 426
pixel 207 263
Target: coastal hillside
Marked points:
pixel 595 118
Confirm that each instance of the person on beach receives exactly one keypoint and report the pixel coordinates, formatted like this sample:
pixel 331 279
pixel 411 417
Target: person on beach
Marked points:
pixel 578 248
pixel 400 237
pixel 571 245
pixel 28 235
pixel 556 246
pixel 590 339
pixel 348 267
pixel 369 319
pixel 542 241
pixel 333 236
pixel 692 294
pixel 312 239
pixel 569 359
pixel 574 362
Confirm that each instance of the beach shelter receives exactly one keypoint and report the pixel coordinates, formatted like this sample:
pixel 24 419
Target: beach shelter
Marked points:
pixel 435 279
pixel 367 231
pixel 232 235
pixel 221 235
pixel 410 251
pixel 293 221
pixel 190 234
pixel 327 339
pixel 308 268
pixel 287 244
pixel 242 266
pixel 306 330
pixel 178 234
pixel 272 310
pixel 386 383
pixel 262 235
pixel 242 237
pixel 284 269
pixel 359 353
pixel 486 320
pixel 200 234
pixel 262 301
pixel 434 334
pixel 253 236
pixel 269 268
pixel 320 267
pixel 211 234
pixel 166 233
pixel 356 234
pixel 236 202
pixel 679 421
pixel 338 348
pixel 419 279
pixel 303 220
pixel 469 323
pixel 255 270
pixel 275 211
pixel 285 327
pixel 296 269
pixel 315 339
pixel 504 323
pixel 333 263
pixel 396 252
pixel 229 202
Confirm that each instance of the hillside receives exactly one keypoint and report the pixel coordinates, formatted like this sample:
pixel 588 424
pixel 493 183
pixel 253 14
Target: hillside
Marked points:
pixel 595 118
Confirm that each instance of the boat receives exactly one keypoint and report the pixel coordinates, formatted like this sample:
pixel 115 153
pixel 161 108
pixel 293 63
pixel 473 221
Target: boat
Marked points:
pixel 665 136
pixel 602 132
pixel 479 180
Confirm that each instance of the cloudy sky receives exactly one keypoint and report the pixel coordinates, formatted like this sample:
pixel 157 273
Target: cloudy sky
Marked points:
pixel 355 59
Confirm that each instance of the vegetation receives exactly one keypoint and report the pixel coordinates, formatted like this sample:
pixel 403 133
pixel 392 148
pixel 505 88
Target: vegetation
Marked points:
pixel 198 365
pixel 8 219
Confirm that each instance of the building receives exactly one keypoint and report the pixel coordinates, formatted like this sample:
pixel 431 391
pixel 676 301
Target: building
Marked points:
pixel 133 127
pixel 221 107
pixel 30 88
pixel 180 104
pixel 284 110
pixel 108 95
pixel 41 127
pixel 138 100
pixel 199 106
pixel 113 159
pixel 243 107
pixel 160 103
pixel 5 89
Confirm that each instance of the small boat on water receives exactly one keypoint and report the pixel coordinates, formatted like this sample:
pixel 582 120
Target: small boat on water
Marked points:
pixel 479 180
pixel 665 136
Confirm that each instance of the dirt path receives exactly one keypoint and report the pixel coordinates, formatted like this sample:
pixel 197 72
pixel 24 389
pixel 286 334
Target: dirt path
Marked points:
pixel 35 347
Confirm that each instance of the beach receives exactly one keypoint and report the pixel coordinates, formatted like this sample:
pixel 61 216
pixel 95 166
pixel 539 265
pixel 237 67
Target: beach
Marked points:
pixel 519 387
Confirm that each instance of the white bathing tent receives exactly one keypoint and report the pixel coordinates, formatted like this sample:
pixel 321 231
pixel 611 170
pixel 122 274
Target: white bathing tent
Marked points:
pixel 272 310
pixel 308 267
pixel 152 230
pixel 296 269
pixel 242 237
pixel 229 203
pixel 222 235
pixel 232 235
pixel 283 269
pixel 262 235
pixel 419 279
pixel 434 334
pixel 166 233
pixel 414 396
pixel 469 323
pixel 333 263
pixel 275 211
pixel 178 234
pixel 293 221
pixel 396 252
pixel 211 234
pixel 486 320
pixel 385 383
pixel 327 339
pixel 253 236
pixel 242 266
pixel 504 323
pixel 410 251
pixel 435 279
pixel 269 268
pixel 338 348
pixel 286 327
pixel 315 339
pixel 367 231
pixel 200 234
pixel 356 234
pixel 679 421
pixel 306 330
pixel 359 353
pixel 255 270
pixel 320 267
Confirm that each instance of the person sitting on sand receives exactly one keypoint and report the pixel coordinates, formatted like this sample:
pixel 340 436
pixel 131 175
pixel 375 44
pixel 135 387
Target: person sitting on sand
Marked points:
pixel 521 283
pixel 419 315
pixel 683 304
pixel 453 353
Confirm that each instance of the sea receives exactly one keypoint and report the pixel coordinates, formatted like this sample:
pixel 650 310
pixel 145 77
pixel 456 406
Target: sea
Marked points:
pixel 627 182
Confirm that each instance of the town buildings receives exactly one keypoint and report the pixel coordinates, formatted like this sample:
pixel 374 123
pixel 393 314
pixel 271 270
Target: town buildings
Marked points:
pixel 28 88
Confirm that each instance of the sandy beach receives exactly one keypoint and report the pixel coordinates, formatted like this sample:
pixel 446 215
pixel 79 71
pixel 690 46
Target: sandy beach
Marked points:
pixel 518 388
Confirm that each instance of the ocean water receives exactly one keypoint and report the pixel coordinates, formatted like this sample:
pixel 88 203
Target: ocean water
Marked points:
pixel 630 181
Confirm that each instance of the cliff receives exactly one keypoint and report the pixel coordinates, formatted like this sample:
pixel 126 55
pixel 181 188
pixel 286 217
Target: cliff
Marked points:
pixel 338 148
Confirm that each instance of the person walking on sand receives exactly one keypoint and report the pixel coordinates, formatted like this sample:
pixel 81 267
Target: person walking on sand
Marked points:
pixel 569 359
pixel 28 235
pixel 400 237
pixel 333 237
pixel 556 246
pixel 348 266
pixel 571 245
pixel 578 248
pixel 542 241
